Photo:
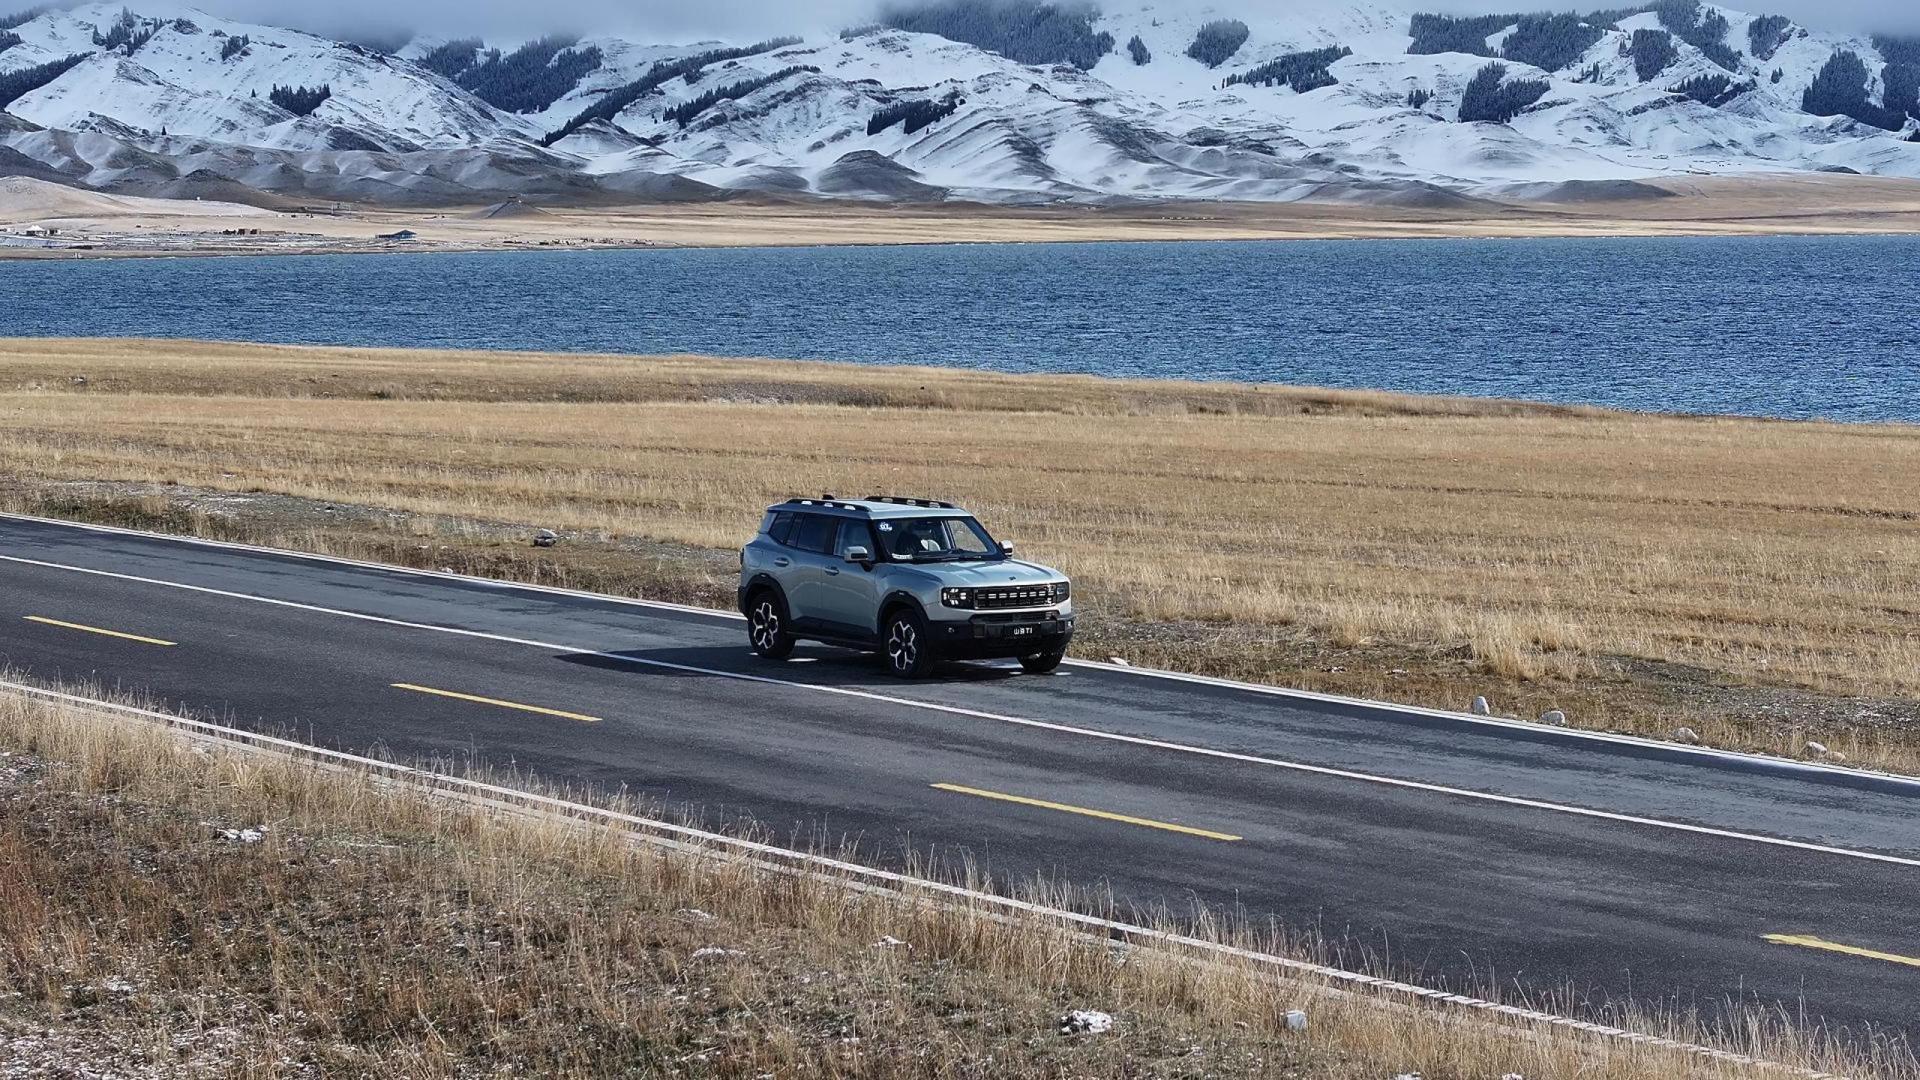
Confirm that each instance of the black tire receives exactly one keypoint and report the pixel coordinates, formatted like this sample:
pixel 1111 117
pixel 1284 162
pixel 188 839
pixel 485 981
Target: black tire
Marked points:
pixel 1042 662
pixel 904 644
pixel 767 631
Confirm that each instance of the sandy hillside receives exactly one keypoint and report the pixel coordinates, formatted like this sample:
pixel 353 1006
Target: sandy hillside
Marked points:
pixel 24 200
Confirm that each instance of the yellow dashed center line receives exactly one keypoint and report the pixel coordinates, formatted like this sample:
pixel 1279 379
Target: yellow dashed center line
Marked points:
pixel 44 621
pixel 1085 812
pixel 561 713
pixel 1808 942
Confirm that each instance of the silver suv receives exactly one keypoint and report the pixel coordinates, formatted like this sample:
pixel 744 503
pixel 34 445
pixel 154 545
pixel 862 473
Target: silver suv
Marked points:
pixel 918 580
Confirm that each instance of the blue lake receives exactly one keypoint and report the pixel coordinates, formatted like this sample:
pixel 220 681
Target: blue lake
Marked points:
pixel 1771 326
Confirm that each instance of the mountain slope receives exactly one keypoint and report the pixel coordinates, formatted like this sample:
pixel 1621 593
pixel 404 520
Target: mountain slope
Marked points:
pixel 164 92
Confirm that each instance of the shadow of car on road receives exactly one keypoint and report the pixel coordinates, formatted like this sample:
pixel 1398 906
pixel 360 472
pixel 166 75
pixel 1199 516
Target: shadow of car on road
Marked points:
pixel 817 666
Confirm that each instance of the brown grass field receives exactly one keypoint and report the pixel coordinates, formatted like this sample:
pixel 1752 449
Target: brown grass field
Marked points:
pixel 366 929
pixel 1758 581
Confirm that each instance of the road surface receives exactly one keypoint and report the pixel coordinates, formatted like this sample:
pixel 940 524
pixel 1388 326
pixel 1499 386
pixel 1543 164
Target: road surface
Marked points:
pixel 1463 853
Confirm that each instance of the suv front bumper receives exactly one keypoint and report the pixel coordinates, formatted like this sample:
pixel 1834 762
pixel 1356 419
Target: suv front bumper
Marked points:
pixel 1000 635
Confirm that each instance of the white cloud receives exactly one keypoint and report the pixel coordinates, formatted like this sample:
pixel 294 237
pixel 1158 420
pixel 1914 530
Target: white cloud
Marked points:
pixel 1836 15
pixel 681 20
pixel 659 20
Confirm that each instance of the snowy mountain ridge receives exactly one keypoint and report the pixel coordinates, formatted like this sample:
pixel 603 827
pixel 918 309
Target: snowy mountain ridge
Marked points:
pixel 1336 99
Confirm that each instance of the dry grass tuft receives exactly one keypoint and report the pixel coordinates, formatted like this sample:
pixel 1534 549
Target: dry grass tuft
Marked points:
pixel 367 929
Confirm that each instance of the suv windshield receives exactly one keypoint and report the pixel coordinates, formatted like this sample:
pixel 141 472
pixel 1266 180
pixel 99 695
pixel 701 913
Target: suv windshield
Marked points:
pixel 935 539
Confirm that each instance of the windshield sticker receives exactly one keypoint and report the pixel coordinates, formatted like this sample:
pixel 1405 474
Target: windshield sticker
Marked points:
pixel 885 526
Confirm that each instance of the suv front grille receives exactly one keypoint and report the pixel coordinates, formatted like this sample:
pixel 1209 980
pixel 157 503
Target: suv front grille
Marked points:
pixel 1017 596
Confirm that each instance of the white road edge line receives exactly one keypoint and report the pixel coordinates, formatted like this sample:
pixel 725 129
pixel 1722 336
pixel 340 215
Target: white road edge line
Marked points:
pixel 903 882
pixel 1494 722
pixel 1041 725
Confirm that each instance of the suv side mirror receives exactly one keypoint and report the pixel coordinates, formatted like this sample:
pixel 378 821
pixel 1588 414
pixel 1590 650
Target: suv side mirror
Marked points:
pixel 1006 547
pixel 858 555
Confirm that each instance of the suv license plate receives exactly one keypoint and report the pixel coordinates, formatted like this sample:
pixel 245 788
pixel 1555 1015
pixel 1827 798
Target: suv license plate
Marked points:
pixel 1021 631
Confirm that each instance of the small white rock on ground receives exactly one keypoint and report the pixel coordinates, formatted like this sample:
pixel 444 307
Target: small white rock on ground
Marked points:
pixel 1554 717
pixel 1085 1022
pixel 1296 1020
pixel 1481 708
pixel 1687 735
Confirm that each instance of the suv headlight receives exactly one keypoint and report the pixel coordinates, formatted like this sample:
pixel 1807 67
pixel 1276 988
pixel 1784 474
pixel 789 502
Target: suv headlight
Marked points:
pixel 958 598
pixel 1061 591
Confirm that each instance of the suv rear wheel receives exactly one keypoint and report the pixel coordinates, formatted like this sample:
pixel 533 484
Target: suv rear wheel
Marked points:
pixel 767 626
pixel 906 644
pixel 1042 662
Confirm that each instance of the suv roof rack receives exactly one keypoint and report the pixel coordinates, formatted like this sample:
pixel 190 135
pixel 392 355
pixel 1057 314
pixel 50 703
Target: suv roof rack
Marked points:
pixel 830 502
pixel 826 501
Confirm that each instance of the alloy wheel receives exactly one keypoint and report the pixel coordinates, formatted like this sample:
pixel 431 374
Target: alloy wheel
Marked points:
pixel 903 646
pixel 765 626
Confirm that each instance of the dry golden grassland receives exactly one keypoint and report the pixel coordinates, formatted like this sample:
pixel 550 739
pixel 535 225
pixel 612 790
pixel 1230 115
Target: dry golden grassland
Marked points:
pixel 1758 581
pixel 170 908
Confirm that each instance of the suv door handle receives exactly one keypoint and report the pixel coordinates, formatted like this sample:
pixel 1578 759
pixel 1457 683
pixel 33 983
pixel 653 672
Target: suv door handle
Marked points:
pixel 782 561
pixel 833 570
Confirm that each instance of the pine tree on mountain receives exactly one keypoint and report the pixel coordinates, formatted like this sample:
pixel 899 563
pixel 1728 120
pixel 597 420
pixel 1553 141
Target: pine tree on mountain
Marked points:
pixel 300 100
pixel 1652 52
pixel 1217 41
pixel 1026 31
pixel 1490 98
pixel 1841 90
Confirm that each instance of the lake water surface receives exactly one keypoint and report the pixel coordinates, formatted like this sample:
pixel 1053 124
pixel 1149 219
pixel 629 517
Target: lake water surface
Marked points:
pixel 1772 326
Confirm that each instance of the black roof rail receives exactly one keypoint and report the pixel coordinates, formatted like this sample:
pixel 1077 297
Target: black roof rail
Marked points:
pixel 827 503
pixel 902 500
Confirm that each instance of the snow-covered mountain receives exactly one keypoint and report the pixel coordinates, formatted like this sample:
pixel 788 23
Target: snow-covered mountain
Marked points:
pixel 1334 99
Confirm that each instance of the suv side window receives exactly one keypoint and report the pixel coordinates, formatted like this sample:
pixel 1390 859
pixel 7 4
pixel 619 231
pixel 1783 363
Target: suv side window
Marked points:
pixel 780 527
pixel 853 533
pixel 813 532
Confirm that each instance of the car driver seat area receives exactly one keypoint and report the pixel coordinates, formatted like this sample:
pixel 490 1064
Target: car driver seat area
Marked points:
pixel 917 538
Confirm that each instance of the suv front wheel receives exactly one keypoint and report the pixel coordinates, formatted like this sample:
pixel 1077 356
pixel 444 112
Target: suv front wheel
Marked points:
pixel 906 645
pixel 767 626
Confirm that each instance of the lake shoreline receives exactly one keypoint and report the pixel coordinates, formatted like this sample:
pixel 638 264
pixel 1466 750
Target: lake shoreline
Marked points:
pixel 1628 233
pixel 1312 398
pixel 1816 205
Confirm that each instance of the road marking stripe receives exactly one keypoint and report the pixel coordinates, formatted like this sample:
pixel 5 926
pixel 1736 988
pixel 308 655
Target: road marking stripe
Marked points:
pixel 1787 765
pixel 697 841
pixel 43 620
pixel 1808 942
pixel 1085 812
pixel 1042 725
pixel 564 715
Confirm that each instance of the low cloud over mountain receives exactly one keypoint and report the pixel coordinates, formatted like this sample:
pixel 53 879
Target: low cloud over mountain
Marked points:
pixel 689 20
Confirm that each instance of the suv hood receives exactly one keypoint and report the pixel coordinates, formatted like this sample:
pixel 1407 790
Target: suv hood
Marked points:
pixel 984 574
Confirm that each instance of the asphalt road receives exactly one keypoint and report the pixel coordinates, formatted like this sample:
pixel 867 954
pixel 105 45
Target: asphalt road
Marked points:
pixel 1463 853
